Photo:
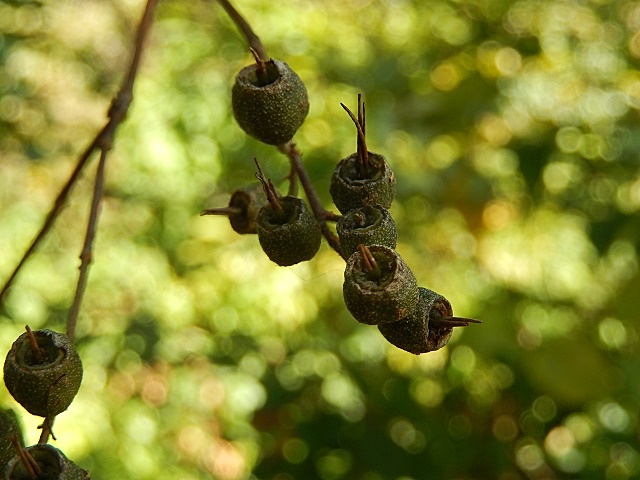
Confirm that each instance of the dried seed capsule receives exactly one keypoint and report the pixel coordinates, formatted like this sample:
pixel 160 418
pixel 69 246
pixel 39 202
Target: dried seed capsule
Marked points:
pixel 428 328
pixel 9 428
pixel 386 292
pixel 43 372
pixel 370 225
pixel 269 101
pixel 244 205
pixel 288 235
pixel 354 185
pixel 49 461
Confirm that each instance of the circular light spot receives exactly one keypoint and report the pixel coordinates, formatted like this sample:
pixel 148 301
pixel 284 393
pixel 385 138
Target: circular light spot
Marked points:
pixel 613 417
pixel 544 408
pixel 559 441
pixel 613 333
pixel 569 139
pixel 508 61
pixel 463 359
pixel 504 428
pixel 445 77
pixel 530 457
pixel 295 450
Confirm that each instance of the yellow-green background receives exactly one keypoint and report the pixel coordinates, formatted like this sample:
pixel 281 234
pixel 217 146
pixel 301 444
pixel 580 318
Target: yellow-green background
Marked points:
pixel 512 128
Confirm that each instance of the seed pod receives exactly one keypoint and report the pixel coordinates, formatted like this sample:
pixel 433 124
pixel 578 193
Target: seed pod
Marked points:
pixel 370 225
pixel 49 461
pixel 269 101
pixel 43 372
pixel 354 186
pixel 428 328
pixel 9 428
pixel 290 235
pixel 385 293
pixel 244 205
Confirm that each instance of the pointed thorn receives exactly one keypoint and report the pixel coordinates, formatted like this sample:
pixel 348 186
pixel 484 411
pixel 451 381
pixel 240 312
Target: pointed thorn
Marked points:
pixel 453 321
pixel 228 211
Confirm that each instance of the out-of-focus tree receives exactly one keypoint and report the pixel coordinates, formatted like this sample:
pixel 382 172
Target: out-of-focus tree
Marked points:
pixel 512 128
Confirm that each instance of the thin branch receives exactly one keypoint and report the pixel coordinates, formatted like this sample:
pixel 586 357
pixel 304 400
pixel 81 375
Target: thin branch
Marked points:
pixel 245 29
pixel 47 426
pixel 103 141
pixel 58 205
pixel 30 465
pixel 117 113
pixel 86 254
pixel 295 157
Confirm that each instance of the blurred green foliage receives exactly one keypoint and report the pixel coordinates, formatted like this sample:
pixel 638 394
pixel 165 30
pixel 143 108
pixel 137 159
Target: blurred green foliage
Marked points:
pixel 513 131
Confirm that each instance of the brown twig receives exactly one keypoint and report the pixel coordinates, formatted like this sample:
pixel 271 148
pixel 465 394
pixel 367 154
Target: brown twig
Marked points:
pixel 103 141
pixel 30 465
pixel 245 29
pixel 58 205
pixel 36 351
pixel 322 216
pixel 86 254
pixel 47 429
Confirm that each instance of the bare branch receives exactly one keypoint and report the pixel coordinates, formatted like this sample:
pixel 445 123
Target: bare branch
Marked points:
pixel 103 141
pixel 252 39
pixel 322 215
pixel 86 254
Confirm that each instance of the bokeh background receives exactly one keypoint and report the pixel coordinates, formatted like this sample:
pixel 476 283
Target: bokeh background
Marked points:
pixel 513 131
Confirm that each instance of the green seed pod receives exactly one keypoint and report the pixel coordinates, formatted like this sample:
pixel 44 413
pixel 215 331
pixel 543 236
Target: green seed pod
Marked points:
pixel 269 101
pixel 353 186
pixel 51 462
pixel 428 328
pixel 9 427
pixel 46 378
pixel 386 294
pixel 291 235
pixel 370 225
pixel 244 205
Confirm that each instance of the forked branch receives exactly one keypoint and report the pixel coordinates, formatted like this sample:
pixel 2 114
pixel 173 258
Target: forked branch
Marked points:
pixel 103 142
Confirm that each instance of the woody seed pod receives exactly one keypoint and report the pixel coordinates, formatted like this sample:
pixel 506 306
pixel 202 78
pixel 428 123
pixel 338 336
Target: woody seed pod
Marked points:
pixel 49 461
pixel 354 186
pixel 9 427
pixel 290 235
pixel 269 101
pixel 385 294
pixel 370 225
pixel 244 205
pixel 43 373
pixel 429 326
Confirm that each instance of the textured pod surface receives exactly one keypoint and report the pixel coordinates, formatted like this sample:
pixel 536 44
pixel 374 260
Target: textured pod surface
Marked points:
pixel 388 298
pixel 44 386
pixel 413 333
pixel 52 462
pixel 250 200
pixel 9 427
pixel 291 239
pixel 350 190
pixel 273 112
pixel 370 225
